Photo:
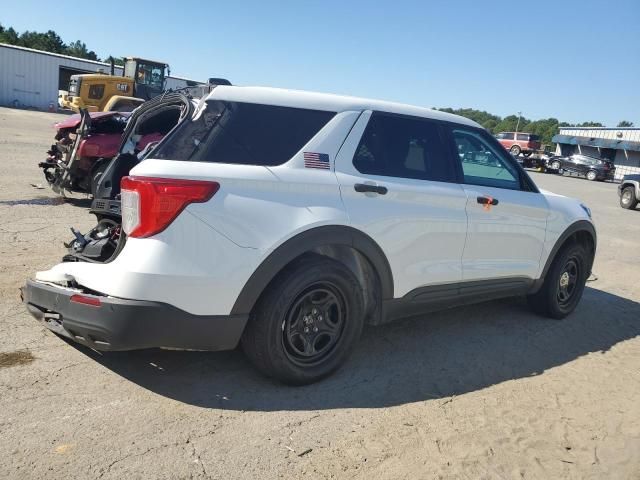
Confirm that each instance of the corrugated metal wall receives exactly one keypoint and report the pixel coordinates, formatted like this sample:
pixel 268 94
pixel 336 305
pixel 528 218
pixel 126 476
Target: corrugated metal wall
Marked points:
pixel 625 134
pixel 626 161
pixel 29 79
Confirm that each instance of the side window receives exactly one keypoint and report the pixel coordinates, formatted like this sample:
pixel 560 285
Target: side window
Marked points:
pixel 483 163
pixel 523 136
pixel 96 91
pixel 395 146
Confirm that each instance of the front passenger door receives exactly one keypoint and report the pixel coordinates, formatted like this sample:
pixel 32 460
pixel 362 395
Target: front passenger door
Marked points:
pixel 507 220
pixel 399 186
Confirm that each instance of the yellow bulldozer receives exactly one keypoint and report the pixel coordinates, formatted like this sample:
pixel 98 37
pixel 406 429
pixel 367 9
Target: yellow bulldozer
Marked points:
pixel 98 92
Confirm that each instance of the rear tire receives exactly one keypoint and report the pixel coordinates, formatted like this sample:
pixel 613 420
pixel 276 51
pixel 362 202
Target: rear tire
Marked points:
pixel 564 283
pixel 555 165
pixel 307 322
pixel 515 150
pixel 628 198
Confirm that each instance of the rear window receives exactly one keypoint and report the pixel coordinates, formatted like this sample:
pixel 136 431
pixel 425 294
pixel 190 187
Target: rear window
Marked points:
pixel 243 133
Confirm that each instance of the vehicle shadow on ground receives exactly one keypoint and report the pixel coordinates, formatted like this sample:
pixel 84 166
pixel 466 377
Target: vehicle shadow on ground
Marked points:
pixel 444 354
pixel 42 200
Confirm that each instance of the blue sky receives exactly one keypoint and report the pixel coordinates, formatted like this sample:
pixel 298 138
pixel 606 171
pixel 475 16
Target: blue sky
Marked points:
pixel 573 60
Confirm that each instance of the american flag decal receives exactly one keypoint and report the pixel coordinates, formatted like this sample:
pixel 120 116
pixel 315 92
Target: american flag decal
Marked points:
pixel 316 160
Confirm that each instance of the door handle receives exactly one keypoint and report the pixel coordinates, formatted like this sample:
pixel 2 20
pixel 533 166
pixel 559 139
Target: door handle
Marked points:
pixel 487 201
pixel 366 188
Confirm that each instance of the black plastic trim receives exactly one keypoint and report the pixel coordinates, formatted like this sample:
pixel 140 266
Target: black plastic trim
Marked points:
pixel 119 324
pixel 579 226
pixel 304 242
pixel 440 297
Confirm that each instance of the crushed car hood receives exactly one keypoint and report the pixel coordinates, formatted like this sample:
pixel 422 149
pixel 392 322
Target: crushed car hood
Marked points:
pixel 74 120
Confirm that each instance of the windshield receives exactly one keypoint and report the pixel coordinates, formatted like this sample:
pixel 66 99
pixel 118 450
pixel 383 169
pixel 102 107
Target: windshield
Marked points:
pixel 150 75
pixel 145 73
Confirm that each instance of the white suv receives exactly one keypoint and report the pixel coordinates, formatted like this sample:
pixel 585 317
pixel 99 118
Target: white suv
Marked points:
pixel 286 220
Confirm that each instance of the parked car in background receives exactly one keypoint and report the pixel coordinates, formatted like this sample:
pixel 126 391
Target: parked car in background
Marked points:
pixel 519 142
pixel 534 162
pixel 629 191
pixel 577 164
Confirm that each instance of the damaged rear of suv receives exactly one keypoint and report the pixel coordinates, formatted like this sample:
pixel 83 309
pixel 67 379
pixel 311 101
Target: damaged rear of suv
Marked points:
pixel 147 126
pixel 286 221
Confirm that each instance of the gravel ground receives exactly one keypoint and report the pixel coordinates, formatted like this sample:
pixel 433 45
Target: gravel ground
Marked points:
pixel 489 391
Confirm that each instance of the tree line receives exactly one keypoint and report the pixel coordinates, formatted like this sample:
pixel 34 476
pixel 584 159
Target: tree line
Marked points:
pixel 50 41
pixel 546 128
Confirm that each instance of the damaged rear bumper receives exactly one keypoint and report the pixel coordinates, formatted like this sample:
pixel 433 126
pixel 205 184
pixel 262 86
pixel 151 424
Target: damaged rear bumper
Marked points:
pixel 108 323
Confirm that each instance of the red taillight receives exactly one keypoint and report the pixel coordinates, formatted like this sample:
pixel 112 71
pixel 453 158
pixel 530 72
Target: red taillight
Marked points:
pixel 86 300
pixel 149 205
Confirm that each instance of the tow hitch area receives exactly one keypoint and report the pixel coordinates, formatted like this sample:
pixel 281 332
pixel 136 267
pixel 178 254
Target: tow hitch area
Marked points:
pixel 101 244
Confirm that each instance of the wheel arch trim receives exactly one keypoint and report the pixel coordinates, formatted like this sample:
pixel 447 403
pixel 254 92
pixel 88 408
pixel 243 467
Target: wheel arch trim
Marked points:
pixel 304 242
pixel 576 227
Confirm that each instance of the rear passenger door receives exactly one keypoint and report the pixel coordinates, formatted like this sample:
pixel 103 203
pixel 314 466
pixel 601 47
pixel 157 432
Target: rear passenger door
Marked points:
pixel 398 185
pixel 507 216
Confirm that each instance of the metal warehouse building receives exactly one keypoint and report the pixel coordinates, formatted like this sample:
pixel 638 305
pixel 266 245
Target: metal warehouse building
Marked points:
pixel 31 78
pixel 619 145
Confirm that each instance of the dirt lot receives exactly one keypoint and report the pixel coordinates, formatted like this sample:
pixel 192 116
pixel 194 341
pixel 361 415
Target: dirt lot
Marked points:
pixel 489 391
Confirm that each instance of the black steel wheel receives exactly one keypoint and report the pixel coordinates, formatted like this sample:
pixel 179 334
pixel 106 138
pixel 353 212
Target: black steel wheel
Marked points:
pixel 568 281
pixel 307 321
pixel 564 282
pixel 314 324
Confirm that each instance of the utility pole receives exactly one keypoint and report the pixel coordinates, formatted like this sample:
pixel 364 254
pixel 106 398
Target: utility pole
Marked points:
pixel 518 124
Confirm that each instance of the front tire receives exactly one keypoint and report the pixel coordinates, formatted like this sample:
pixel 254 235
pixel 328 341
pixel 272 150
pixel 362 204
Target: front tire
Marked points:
pixel 628 198
pixel 307 322
pixel 555 165
pixel 592 175
pixel 564 283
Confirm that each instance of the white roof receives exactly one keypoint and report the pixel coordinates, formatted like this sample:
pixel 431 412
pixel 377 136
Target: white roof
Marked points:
pixel 325 101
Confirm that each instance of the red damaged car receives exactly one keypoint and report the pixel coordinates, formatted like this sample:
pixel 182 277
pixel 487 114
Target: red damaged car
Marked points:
pixel 85 143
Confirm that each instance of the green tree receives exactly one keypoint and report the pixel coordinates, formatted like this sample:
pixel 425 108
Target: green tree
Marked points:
pixel 116 60
pixel 49 41
pixel 8 35
pixel 590 124
pixel 509 124
pixel 79 49
pixel 625 124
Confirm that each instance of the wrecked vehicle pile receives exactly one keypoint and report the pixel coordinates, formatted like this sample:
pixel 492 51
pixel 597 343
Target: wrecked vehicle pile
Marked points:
pixel 85 143
pixel 146 127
